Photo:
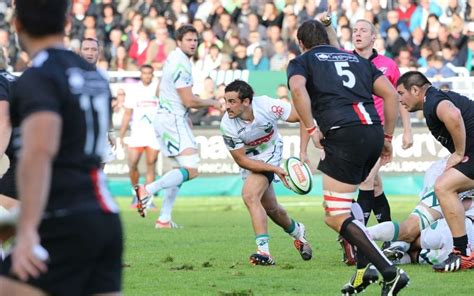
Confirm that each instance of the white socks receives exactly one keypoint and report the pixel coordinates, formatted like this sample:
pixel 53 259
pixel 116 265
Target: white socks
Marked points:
pixel 385 231
pixel 168 203
pixel 172 178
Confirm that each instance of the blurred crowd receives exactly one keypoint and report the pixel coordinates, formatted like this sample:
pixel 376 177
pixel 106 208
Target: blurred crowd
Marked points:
pixel 435 35
pixel 261 34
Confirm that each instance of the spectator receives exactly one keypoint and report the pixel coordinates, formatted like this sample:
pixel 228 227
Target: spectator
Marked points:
pixel 211 61
pixel 450 57
pixel 224 27
pixel 416 41
pixel 208 39
pixel 217 11
pixel 257 61
pixel 379 46
pixel 279 60
pixel 226 63
pixel 355 12
pixel 230 43
pixel 77 20
pixel 437 68
pixel 378 12
pixel 393 19
pixel 138 49
pixel 290 26
pixel 252 25
pixel 110 49
pixel 108 21
pixel 432 27
pixel 282 91
pixel 133 29
pixel 405 58
pixel 420 15
pixel 254 40
pixel 177 13
pixel 271 16
pixel 425 52
pixel 239 57
pixel 394 40
pixel 241 13
pixel 122 62
pixel 273 36
pixel 150 22
pixel 405 10
pixel 346 38
pixel 453 7
pixel 159 49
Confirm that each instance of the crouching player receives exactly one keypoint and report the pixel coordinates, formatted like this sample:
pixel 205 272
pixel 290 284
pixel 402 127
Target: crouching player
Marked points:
pixel 250 132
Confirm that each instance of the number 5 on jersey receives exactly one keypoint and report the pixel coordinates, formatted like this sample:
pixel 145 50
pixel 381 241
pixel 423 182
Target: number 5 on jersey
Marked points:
pixel 351 80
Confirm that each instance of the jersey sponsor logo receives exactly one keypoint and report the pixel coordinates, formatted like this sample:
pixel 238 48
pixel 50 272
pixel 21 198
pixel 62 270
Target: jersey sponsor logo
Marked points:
pixel 263 139
pixel 278 110
pixel 336 57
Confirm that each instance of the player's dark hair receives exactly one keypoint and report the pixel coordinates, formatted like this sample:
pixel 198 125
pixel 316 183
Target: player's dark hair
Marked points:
pixel 183 30
pixel 146 66
pixel 412 78
pixel 90 39
pixel 42 17
pixel 312 33
pixel 242 88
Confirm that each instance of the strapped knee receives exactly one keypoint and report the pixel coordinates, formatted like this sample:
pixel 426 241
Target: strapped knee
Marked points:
pixel 336 203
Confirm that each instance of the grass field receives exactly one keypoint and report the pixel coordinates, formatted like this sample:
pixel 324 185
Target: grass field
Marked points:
pixel 209 255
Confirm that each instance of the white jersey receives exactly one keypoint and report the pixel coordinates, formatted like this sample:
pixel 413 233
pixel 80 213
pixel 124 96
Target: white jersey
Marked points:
pixel 177 73
pixel 260 138
pixel 144 103
pixel 260 135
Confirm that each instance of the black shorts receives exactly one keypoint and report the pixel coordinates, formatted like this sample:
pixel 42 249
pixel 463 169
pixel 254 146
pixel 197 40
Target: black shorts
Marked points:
pixel 7 182
pixel 467 167
pixel 351 152
pixel 85 253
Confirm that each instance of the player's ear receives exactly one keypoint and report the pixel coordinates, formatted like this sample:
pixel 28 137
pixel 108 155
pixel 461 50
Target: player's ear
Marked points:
pixel 415 90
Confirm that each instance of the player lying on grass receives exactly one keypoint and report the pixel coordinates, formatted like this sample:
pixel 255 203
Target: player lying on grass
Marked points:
pixel 249 128
pixel 425 213
pixel 435 242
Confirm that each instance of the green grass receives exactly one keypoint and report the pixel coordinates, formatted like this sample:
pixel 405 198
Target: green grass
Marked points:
pixel 209 256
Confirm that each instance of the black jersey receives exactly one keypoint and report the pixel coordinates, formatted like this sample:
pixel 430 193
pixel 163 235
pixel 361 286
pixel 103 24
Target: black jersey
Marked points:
pixel 340 86
pixel 60 81
pixel 6 81
pixel 437 128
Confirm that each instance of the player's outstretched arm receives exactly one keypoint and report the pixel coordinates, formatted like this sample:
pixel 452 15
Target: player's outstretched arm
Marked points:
pixel 256 166
pixel 191 101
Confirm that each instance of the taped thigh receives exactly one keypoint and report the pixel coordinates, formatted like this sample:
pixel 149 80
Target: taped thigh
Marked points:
pixel 188 161
pixel 336 203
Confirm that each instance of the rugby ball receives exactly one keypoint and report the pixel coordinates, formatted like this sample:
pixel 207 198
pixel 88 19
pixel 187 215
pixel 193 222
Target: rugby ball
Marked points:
pixel 298 176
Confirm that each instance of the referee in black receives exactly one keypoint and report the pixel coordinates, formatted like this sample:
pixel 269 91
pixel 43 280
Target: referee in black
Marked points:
pixel 61 105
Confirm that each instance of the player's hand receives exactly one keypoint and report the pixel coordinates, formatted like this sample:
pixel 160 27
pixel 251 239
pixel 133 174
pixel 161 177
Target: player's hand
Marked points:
pixel 217 104
pixel 316 138
pixel 26 262
pixel 281 173
pixel 304 157
pixel 112 139
pixel 122 143
pixel 407 141
pixel 387 151
pixel 453 160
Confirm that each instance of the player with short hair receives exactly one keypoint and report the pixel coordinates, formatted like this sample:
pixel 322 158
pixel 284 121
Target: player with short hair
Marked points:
pixel 336 88
pixel 450 119
pixel 141 105
pixel 90 51
pixel 172 126
pixel 61 104
pixel 249 129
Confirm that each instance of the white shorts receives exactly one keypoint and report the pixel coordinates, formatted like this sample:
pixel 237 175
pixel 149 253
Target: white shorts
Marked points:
pixel 271 156
pixel 174 133
pixel 109 153
pixel 143 138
